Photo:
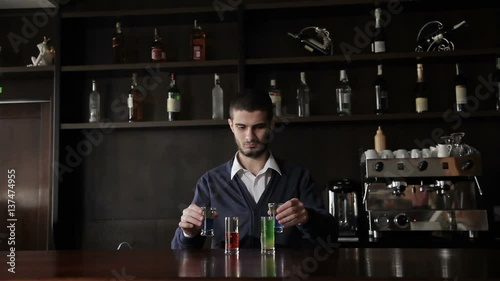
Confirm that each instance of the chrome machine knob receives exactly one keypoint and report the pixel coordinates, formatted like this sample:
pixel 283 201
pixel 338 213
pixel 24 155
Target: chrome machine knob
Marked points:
pixel 422 165
pixel 467 165
pixel 401 220
pixel 382 221
pixel 379 166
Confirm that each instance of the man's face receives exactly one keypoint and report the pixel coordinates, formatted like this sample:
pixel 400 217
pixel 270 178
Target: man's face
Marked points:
pixel 251 132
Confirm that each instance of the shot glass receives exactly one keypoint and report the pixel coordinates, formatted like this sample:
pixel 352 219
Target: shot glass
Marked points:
pixel 272 209
pixel 207 228
pixel 232 235
pixel 267 235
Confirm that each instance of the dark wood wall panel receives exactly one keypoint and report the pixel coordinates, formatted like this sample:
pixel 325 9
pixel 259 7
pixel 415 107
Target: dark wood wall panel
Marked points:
pixel 132 184
pixel 131 181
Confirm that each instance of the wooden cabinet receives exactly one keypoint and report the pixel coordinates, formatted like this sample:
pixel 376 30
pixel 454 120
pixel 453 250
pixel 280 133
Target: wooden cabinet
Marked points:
pixel 129 181
pixel 26 132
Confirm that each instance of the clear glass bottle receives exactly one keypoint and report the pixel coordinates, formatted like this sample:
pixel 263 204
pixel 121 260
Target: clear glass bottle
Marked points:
pixel 118 45
pixel 460 90
pixel 496 79
pixel 275 95
pixel 381 92
pixel 158 48
pixel 198 41
pixel 343 95
pixel 217 99
pixel 134 101
pixel 303 97
pixel 173 100
pixel 379 40
pixel 421 94
pixel 94 104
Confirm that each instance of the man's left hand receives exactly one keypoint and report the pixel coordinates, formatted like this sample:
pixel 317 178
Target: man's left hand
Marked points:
pixel 291 213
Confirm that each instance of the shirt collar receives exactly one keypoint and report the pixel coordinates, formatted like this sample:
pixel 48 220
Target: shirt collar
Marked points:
pixel 270 164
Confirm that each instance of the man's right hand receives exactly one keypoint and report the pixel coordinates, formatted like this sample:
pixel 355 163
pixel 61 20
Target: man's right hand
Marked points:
pixel 191 220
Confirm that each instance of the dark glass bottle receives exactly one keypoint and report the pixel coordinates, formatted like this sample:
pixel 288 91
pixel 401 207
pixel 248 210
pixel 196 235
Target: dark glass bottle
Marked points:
pixel 173 99
pixel 381 92
pixel 134 101
pixel 198 42
pixel 118 45
pixel 379 40
pixel 460 90
pixel 157 48
pixel 421 94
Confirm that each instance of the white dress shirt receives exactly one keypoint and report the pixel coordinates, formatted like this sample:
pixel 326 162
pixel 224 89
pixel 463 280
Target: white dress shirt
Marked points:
pixel 256 184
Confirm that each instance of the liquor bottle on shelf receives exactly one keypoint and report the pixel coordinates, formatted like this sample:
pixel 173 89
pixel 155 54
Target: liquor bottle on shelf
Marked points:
pixel 158 48
pixel 94 104
pixel 118 45
pixel 303 97
pixel 460 90
pixel 198 41
pixel 343 95
pixel 217 99
pixel 379 40
pixel 173 100
pixel 381 92
pixel 275 95
pixel 421 94
pixel 496 79
pixel 134 101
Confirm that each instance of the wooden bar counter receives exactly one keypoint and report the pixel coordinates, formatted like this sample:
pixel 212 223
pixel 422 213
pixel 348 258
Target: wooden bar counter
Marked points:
pixel 249 264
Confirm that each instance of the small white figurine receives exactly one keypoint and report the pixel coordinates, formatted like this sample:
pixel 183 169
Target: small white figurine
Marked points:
pixel 46 55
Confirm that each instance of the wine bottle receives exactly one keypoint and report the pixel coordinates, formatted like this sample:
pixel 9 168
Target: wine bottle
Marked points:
pixel 379 40
pixel 496 79
pixel 173 99
pixel 198 40
pixel 303 97
pixel 460 90
pixel 275 95
pixel 157 48
pixel 343 94
pixel 118 45
pixel 421 99
pixel 94 104
pixel 217 99
pixel 381 92
pixel 134 101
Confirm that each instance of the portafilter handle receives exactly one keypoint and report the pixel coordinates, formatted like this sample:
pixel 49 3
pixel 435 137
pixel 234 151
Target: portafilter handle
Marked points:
pixel 478 186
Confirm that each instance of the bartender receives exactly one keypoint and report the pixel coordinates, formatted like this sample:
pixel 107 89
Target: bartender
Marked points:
pixel 243 187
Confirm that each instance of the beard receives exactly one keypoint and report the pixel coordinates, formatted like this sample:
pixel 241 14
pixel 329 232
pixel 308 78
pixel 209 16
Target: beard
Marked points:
pixel 256 152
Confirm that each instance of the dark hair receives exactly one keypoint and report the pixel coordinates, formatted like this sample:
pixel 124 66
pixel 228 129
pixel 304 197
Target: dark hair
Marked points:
pixel 252 101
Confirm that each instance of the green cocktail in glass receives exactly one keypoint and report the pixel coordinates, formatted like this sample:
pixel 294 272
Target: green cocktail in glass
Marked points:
pixel 267 235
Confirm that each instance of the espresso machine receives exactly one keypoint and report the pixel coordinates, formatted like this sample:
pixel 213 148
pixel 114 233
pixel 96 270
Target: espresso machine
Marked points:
pixel 423 194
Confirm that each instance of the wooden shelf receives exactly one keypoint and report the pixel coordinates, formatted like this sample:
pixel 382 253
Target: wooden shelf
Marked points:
pixel 27 72
pixel 305 4
pixel 376 57
pixel 146 124
pixel 280 120
pixel 145 12
pixel 139 66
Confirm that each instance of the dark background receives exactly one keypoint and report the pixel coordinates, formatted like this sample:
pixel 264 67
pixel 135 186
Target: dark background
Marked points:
pixel 131 184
